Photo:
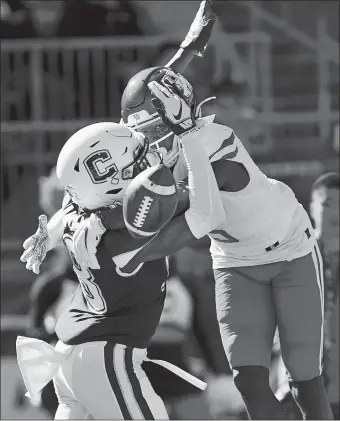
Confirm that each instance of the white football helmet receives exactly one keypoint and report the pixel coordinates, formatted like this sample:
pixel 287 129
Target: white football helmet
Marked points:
pixel 99 161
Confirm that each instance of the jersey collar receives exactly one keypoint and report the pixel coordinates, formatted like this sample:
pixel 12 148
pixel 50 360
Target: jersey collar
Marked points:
pixel 205 121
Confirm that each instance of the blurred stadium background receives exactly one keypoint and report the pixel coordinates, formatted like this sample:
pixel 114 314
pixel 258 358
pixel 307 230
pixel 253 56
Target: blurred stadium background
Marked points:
pixel 273 65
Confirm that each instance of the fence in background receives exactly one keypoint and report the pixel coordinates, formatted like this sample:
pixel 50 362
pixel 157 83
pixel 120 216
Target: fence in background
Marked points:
pixel 55 86
pixel 51 88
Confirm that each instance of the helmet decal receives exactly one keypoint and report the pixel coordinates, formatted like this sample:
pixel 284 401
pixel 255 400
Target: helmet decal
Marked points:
pixel 98 172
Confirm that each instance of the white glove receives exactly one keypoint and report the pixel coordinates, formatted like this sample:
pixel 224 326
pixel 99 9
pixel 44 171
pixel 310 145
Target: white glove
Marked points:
pixel 173 110
pixel 36 246
pixel 86 239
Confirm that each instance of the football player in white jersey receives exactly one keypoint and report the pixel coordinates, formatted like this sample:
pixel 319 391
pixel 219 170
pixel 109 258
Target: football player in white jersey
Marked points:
pixel 266 262
pixel 267 265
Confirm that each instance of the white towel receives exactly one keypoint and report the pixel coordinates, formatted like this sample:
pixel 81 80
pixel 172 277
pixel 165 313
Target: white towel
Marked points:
pixel 39 362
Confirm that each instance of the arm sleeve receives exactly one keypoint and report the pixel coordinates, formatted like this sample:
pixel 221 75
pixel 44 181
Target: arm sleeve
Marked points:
pixel 224 145
pixel 66 216
pixel 55 229
pixel 112 217
pixel 206 210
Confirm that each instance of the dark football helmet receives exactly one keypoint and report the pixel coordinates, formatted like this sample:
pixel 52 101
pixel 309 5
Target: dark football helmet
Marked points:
pixel 139 113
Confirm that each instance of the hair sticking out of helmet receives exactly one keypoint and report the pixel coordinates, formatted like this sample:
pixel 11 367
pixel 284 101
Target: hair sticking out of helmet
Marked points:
pixel 139 113
pixel 99 161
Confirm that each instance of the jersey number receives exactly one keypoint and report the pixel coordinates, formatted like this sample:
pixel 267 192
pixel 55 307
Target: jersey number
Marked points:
pixel 223 237
pixel 91 290
pixel 98 167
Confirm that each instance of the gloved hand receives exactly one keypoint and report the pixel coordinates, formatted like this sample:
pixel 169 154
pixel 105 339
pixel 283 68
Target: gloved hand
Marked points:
pixel 36 246
pixel 172 109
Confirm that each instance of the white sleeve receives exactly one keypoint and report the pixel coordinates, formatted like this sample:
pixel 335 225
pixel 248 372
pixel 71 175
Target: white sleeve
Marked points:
pixel 223 145
pixel 206 210
pixel 55 230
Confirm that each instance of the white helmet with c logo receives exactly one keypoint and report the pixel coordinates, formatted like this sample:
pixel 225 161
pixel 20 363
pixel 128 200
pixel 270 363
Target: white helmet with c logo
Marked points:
pixel 99 161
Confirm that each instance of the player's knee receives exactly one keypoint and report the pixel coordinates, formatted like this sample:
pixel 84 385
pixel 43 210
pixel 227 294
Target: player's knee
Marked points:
pixel 251 380
pixel 303 365
pixel 314 383
pixel 303 374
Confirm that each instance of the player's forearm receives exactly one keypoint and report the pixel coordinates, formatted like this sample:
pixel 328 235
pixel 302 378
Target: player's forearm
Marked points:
pixel 206 210
pixel 196 39
pixel 172 238
pixel 55 230
pixel 180 61
pixel 112 218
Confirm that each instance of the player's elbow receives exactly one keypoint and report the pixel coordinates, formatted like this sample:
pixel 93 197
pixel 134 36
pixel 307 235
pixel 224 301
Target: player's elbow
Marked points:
pixel 215 220
pixel 201 224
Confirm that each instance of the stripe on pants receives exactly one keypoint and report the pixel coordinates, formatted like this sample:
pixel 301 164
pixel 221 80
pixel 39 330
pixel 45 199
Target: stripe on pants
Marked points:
pixel 125 385
pixel 113 379
pixel 130 398
pixel 319 277
pixel 137 390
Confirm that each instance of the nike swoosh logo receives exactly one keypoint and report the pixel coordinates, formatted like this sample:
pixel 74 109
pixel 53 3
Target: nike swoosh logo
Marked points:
pixel 178 115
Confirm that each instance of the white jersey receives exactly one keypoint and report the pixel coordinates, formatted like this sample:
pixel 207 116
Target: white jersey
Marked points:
pixel 264 222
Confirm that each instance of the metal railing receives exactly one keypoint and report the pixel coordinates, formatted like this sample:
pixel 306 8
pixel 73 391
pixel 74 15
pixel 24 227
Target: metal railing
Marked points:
pixel 326 55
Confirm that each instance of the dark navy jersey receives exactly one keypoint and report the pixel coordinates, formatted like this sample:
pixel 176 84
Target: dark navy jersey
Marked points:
pixel 48 295
pixel 108 305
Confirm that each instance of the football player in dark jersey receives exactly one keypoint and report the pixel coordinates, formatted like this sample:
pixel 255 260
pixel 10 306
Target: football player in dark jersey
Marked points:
pixel 90 292
pixel 115 310
pixel 324 210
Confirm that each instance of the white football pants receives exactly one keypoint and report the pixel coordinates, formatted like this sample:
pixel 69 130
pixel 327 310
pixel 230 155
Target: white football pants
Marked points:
pixel 100 380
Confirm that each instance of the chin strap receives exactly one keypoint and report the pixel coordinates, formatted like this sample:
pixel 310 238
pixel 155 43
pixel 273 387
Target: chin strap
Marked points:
pixel 199 106
pixel 172 157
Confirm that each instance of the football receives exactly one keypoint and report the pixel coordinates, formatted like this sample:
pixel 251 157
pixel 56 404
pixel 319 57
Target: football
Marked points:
pixel 150 201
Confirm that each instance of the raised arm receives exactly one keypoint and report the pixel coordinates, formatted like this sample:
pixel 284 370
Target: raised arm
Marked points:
pixel 196 39
pixel 206 210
